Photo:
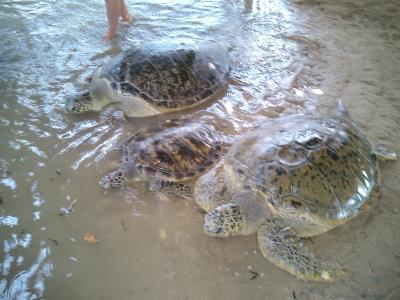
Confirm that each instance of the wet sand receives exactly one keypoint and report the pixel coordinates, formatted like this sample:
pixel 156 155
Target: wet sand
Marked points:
pixel 152 247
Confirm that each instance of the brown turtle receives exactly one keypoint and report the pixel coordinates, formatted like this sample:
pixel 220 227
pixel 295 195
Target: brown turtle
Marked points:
pixel 167 154
pixel 295 177
pixel 155 79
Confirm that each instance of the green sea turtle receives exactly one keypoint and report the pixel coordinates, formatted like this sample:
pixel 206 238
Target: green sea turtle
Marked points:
pixel 155 79
pixel 299 176
pixel 167 154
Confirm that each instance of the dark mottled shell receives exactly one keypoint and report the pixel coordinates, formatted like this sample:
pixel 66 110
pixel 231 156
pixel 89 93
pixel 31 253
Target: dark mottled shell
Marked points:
pixel 168 78
pixel 321 165
pixel 176 150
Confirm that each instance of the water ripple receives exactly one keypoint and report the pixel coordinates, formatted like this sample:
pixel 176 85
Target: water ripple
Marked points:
pixel 28 284
pixel 280 62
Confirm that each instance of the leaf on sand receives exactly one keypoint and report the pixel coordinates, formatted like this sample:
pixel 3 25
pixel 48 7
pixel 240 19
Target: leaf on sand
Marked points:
pixel 90 238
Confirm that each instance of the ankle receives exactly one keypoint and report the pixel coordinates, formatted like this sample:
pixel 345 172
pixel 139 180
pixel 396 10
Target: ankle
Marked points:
pixel 110 35
pixel 127 18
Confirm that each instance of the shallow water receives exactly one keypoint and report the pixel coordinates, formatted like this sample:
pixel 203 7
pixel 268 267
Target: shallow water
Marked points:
pixel 288 56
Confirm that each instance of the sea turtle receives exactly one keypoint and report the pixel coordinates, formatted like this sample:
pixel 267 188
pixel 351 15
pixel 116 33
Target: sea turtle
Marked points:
pixel 294 177
pixel 155 79
pixel 167 154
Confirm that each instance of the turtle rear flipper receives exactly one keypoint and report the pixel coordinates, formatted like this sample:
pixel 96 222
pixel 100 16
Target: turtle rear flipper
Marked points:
pixel 280 245
pixel 170 188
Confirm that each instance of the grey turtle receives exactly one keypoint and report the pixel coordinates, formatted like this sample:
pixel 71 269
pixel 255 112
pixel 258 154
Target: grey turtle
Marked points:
pixel 155 79
pixel 166 155
pixel 299 176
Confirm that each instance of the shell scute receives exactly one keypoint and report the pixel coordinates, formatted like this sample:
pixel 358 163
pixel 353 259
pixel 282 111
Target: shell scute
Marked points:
pixel 323 163
pixel 168 78
pixel 176 150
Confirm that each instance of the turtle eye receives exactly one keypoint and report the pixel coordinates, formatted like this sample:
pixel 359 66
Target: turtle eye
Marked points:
pixel 309 140
pixel 313 142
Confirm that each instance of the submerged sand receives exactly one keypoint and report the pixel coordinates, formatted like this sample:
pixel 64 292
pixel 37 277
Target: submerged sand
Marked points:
pixel 292 56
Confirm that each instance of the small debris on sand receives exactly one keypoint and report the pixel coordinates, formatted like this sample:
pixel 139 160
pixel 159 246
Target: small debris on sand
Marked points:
pixel 253 275
pixel 124 227
pixel 54 241
pixel 162 233
pixel 69 209
pixel 90 238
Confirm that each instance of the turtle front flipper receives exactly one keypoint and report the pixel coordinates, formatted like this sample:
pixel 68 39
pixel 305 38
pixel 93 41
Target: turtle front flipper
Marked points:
pixel 113 180
pixel 384 153
pixel 210 189
pixel 280 245
pixel 170 188
pixel 126 171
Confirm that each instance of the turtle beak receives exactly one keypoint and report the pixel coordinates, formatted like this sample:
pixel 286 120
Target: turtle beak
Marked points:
pixel 213 224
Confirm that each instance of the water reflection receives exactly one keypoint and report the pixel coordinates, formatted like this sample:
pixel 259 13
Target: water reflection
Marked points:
pixel 267 8
pixel 50 158
pixel 27 284
pixel 9 221
pixel 9 182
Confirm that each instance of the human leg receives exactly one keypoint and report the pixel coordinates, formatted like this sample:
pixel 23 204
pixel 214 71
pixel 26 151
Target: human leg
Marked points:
pixel 125 16
pixel 113 8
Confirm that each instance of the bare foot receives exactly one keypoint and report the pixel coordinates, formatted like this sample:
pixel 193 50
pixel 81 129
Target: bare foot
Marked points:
pixel 109 36
pixel 125 20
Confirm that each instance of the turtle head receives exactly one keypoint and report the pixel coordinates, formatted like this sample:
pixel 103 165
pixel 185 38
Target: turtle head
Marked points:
pixel 116 179
pixel 242 216
pixel 99 96
pixel 79 103
pixel 223 221
pixel 113 180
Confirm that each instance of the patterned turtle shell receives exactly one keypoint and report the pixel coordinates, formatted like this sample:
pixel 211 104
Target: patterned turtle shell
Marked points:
pixel 318 165
pixel 169 77
pixel 176 150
